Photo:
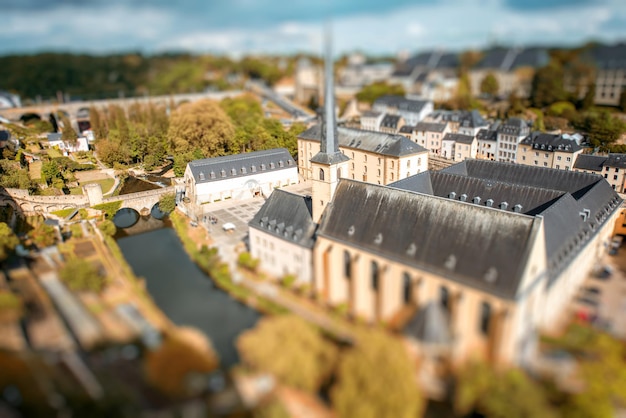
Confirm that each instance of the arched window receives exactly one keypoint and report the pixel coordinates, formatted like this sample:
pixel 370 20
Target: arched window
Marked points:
pixel 444 297
pixel 347 265
pixel 339 175
pixel 485 318
pixel 407 288
pixel 322 174
pixel 375 273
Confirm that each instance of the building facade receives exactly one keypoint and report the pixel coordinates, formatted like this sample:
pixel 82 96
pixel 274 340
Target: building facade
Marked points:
pixel 510 134
pixel 548 150
pixel 239 176
pixel 611 167
pixel 375 157
pixel 430 135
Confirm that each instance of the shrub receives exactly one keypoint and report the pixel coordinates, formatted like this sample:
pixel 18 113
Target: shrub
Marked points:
pixel 288 280
pixel 109 208
pixel 107 227
pixel 246 261
pixel 82 275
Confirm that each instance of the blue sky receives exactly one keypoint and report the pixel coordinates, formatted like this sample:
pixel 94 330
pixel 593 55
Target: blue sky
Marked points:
pixel 238 27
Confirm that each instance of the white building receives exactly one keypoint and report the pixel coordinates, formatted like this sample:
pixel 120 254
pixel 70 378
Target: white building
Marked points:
pixel 55 140
pixel 239 176
pixel 413 111
pixel 510 134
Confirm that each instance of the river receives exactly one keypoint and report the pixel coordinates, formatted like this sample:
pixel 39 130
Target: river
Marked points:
pixel 184 293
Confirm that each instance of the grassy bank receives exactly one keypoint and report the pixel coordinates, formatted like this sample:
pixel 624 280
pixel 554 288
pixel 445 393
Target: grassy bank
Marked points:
pixel 208 260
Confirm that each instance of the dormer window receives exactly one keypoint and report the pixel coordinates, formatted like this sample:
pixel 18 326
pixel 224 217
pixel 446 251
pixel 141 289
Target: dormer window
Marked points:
pixel 262 167
pixel 272 165
pixel 223 173
pixel 253 168
pixel 243 170
pixel 233 171
pixel 212 174
pixel 281 164
pixel 201 175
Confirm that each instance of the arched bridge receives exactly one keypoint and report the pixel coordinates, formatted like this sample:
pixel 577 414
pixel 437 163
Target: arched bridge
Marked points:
pixel 36 205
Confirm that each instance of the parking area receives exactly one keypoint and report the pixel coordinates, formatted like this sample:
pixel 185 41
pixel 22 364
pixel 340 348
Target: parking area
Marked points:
pixel 602 298
pixel 235 212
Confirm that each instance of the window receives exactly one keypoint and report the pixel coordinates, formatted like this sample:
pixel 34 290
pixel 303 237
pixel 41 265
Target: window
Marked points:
pixel 444 297
pixel 391 176
pixel 243 170
pixel 558 158
pixel 374 276
pixel 485 318
pixel 569 159
pixel 365 158
pixel 392 164
pixel 617 170
pixel 365 169
pixel 233 171
pixel 536 154
pixel 558 166
pixel 406 288
pixel 322 174
pixel 408 164
pixel 545 164
pixel 615 177
pixel 545 155
pixel 347 265
pixel 281 164
pixel 272 165
pixel 523 158
pixel 379 172
pixel 379 160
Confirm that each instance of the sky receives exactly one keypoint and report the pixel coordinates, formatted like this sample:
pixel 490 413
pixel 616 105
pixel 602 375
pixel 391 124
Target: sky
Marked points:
pixel 238 27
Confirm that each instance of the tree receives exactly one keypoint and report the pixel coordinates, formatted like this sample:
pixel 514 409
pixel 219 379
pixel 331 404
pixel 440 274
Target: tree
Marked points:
pixel 82 275
pixel 371 92
pixel 511 393
pixel 97 123
pixel 547 86
pixel 8 241
pixel 489 85
pixel 202 125
pixel 603 128
pixel 179 356
pixel 50 171
pixel 107 227
pixel 376 378
pixel 622 100
pixel 306 359
pixel 68 133
pixel 167 202
pixel 44 235
pixel 587 101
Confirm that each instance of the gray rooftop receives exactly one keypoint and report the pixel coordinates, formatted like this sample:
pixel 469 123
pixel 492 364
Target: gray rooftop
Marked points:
pixel 460 138
pixel 430 127
pixel 551 142
pixel 390 121
pixel 240 165
pixel 476 245
pixel 400 103
pixel 590 162
pixel 376 142
pixel 616 160
pixel 508 59
pixel 287 216
pixel 487 135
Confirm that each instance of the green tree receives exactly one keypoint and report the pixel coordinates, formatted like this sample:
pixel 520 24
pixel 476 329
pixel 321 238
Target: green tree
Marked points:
pixel 82 275
pixel 489 85
pixel 201 125
pixel 547 86
pixel 107 227
pixel 97 123
pixel 167 202
pixel 50 171
pixel 306 359
pixel 603 128
pixel 622 100
pixel 376 378
pixel 68 134
pixel 8 241
pixel 44 235
pixel 587 101
pixel 510 393
pixel 371 92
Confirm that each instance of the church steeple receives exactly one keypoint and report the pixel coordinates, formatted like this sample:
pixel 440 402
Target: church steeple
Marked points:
pixel 329 164
pixel 329 147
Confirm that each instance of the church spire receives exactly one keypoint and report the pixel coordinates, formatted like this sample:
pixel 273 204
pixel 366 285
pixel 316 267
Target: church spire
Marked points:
pixel 329 147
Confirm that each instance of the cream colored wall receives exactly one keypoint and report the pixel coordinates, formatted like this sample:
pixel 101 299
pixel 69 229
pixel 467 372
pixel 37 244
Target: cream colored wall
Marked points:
pixel 616 183
pixel 466 302
pixel 527 155
pixel 279 257
pixel 324 189
pixel 365 166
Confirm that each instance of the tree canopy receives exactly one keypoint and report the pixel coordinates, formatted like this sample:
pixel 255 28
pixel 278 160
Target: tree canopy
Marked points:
pixel 547 86
pixel 44 235
pixel 8 241
pixel 489 85
pixel 376 378
pixel 167 202
pixel 82 275
pixel 290 349
pixel 201 126
pixel 371 92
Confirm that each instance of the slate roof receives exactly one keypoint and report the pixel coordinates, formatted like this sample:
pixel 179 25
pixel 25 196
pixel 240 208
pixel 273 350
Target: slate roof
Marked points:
pixel 407 129
pixel 608 57
pixel 590 162
pixel 616 160
pixel 487 135
pixel 390 121
pixel 472 119
pixel 478 246
pixel 240 165
pixel 513 126
pixel 460 138
pixel 371 114
pixel 551 142
pixel 430 127
pixel 376 142
pixel 507 59
pixel 532 200
pixel 287 216
pixel 400 103
pixel 430 325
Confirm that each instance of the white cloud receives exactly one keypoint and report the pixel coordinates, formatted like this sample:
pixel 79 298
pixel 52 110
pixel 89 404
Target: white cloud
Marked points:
pixel 453 24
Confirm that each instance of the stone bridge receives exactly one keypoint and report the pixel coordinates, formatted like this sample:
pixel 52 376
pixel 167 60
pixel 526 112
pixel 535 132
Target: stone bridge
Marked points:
pixel 80 110
pixel 23 202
